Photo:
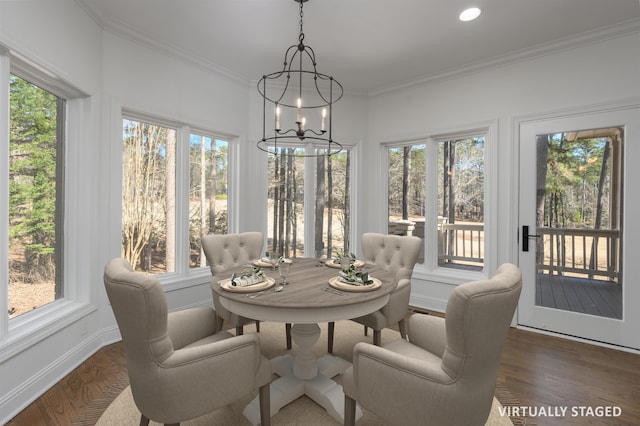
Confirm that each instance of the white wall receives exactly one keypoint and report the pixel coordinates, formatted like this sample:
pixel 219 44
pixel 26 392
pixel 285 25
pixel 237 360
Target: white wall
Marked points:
pixel 118 73
pixel 60 38
pixel 598 73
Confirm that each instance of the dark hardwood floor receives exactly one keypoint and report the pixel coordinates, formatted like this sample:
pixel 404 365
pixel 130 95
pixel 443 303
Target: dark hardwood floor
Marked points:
pixel 540 371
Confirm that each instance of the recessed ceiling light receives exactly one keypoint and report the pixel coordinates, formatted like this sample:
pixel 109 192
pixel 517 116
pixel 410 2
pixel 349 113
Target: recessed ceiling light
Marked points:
pixel 469 14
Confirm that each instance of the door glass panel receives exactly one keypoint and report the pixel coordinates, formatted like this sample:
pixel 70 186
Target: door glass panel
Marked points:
pixel 578 221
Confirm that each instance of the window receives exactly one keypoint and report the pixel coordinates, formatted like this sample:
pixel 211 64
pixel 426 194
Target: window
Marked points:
pixel 461 202
pixel 148 196
pixel 451 171
pixel 208 183
pixel 153 239
pixel 326 198
pixel 36 124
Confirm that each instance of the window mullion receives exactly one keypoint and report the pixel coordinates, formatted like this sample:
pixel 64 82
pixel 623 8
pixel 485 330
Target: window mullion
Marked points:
pixel 309 203
pixel 431 204
pixel 182 200
pixel 4 189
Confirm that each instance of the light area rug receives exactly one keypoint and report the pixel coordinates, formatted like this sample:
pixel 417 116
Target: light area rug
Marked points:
pixel 303 411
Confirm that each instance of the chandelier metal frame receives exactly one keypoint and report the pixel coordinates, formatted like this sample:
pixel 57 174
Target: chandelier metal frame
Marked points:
pixel 276 89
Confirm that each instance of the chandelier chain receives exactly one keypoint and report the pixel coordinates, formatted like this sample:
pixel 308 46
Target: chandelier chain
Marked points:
pixel 301 36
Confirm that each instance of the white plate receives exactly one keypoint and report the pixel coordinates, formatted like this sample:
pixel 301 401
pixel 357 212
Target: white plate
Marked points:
pixel 332 264
pixel 336 283
pixel 267 283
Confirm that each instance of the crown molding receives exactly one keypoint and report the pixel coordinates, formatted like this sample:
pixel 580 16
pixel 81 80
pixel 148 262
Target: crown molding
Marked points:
pixel 567 43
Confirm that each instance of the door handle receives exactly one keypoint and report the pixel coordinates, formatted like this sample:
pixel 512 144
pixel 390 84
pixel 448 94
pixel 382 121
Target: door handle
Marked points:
pixel 526 236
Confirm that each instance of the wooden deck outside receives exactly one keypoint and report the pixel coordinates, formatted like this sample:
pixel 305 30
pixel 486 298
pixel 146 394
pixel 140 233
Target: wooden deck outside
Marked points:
pixel 594 297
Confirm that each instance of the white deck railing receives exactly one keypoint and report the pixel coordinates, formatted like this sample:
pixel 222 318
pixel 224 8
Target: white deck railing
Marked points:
pixel 586 252
pixel 461 243
pixel 583 252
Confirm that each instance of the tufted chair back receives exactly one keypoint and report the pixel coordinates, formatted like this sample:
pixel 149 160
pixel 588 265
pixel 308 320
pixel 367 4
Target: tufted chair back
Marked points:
pixel 395 253
pixel 398 255
pixel 226 251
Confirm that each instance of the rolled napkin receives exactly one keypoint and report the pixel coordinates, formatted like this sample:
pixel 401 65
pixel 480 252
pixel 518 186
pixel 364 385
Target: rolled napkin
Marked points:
pixel 248 277
pixel 349 276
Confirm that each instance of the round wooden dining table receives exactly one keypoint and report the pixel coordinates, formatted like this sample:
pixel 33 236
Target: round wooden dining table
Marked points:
pixel 307 299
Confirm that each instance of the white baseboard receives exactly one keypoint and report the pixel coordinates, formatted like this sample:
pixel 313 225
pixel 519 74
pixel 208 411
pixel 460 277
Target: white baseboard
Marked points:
pixel 428 303
pixel 17 399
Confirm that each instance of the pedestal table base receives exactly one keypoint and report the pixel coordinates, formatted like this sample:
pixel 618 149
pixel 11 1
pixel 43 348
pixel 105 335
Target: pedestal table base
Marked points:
pixel 305 374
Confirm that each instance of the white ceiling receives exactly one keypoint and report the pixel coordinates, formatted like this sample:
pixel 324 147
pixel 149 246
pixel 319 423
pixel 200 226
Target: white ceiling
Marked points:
pixel 367 45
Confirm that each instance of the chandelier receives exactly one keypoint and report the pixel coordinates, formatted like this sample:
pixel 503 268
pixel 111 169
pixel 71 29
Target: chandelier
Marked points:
pixel 297 103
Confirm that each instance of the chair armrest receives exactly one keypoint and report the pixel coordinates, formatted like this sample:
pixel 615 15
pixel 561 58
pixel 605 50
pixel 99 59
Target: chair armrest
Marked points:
pixel 380 365
pixel 236 360
pixel 428 332
pixel 206 376
pixel 244 349
pixel 387 383
pixel 186 326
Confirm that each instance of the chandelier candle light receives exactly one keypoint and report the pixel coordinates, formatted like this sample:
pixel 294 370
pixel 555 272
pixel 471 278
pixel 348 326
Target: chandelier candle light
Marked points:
pixel 299 90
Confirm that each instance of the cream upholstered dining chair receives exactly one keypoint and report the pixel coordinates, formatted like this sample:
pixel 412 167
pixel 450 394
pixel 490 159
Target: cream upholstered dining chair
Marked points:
pixel 398 255
pixel 179 367
pixel 226 251
pixel 446 373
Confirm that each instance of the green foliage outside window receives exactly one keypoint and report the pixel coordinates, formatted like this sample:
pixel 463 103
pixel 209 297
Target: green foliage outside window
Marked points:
pixel 32 181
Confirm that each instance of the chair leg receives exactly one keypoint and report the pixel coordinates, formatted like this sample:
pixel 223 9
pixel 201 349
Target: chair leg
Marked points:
pixel 403 329
pixel 239 330
pixel 287 329
pixel 144 420
pixel 366 330
pixel 258 326
pixel 219 323
pixel 332 326
pixel 264 395
pixel 349 411
pixel 377 337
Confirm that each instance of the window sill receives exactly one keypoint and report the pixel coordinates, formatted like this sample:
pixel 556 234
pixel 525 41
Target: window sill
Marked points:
pixel 31 328
pixel 443 275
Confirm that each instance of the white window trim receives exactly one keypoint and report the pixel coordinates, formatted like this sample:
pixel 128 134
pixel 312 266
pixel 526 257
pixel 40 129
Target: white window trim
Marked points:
pixel 429 270
pixel 19 333
pixel 184 276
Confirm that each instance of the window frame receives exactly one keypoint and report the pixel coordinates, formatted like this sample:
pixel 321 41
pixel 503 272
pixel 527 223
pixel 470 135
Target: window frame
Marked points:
pixel 23 331
pixel 310 192
pixel 184 276
pixel 429 269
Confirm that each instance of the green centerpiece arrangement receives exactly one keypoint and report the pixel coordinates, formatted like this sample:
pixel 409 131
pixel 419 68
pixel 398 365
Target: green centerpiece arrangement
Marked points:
pixel 351 275
pixel 247 277
pixel 343 255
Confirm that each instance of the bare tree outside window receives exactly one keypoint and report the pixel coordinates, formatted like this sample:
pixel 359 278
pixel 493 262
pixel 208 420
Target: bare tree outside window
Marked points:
pixel 208 183
pixel 148 196
pixel 286 198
